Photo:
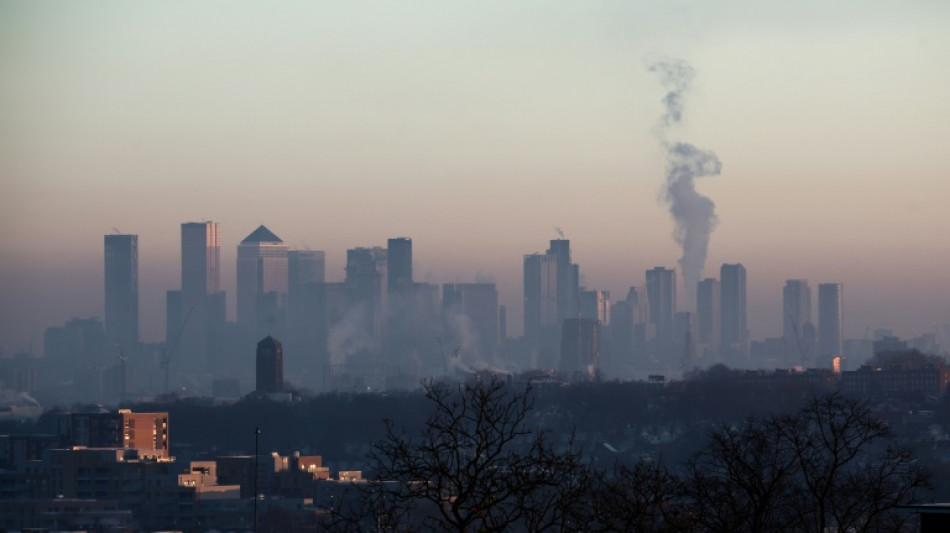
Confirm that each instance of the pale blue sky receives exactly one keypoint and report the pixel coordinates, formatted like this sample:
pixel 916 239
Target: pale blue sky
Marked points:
pixel 475 128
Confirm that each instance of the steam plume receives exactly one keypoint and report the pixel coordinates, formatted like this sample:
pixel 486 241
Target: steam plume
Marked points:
pixel 694 214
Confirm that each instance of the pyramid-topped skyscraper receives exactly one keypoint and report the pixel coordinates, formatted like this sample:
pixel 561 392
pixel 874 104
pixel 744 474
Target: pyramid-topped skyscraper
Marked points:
pixel 261 234
pixel 261 281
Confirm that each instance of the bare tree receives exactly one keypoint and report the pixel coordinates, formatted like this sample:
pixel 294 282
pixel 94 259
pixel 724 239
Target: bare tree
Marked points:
pixel 742 480
pixel 831 466
pixel 641 499
pixel 851 473
pixel 476 466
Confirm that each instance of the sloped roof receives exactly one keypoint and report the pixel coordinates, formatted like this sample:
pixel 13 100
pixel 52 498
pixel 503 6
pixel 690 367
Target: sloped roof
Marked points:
pixel 268 341
pixel 261 234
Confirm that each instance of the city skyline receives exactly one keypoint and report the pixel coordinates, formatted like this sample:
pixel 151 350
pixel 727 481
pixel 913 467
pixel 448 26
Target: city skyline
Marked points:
pixel 476 132
pixel 160 332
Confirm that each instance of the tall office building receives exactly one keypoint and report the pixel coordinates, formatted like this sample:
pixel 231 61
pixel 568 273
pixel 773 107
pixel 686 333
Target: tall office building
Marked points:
pixel 661 294
pixel 399 265
pixel 122 291
pixel 305 320
pixel 470 315
pixel 628 333
pixel 196 312
pixel 595 304
pixel 708 325
pixel 796 310
pixel 830 319
pixel 551 290
pixel 734 332
pixel 568 282
pixel 684 325
pixel 261 281
pixel 539 287
pixel 366 288
pixel 580 347
pixel 304 267
pixel 400 302
pixel 200 260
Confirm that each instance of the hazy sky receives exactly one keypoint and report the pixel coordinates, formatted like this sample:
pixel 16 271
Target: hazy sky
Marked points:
pixel 476 128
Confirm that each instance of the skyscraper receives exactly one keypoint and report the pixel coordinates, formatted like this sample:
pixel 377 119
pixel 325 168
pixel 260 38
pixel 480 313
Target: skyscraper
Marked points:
pixel 580 347
pixel 734 334
pixel 261 281
pixel 707 315
pixel 122 291
pixel 400 303
pixel 661 294
pixel 470 315
pixel 200 301
pixel 796 310
pixel 627 332
pixel 306 327
pixel 684 341
pixel 595 304
pixel 551 290
pixel 538 292
pixel 304 267
pixel 399 265
pixel 200 260
pixel 830 319
pixel 366 288
pixel 568 282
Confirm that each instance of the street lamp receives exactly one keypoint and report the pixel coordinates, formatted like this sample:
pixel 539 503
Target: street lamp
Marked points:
pixel 257 442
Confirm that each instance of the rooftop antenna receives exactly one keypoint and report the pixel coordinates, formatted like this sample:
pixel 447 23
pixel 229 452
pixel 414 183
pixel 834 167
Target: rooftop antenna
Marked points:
pixel 559 232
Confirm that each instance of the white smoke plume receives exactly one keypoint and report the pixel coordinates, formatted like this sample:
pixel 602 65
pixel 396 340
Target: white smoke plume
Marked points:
pixel 694 214
pixel 348 336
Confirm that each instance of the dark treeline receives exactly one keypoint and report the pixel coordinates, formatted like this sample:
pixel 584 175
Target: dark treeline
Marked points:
pixel 478 464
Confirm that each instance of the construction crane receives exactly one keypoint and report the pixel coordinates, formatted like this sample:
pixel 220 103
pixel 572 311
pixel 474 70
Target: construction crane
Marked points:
pixel 167 356
pixel 802 350
pixel 122 362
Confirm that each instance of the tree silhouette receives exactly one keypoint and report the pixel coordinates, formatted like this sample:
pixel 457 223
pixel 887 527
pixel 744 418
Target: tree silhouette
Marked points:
pixel 477 466
pixel 642 498
pixel 831 466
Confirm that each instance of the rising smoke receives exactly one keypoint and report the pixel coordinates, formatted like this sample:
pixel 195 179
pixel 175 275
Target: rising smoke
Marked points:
pixel 694 214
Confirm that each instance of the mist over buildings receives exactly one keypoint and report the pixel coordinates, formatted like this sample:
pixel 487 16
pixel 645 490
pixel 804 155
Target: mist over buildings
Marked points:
pixel 378 326
pixel 475 133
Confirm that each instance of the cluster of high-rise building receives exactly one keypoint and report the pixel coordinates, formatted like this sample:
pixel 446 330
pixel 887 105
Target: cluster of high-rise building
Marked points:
pixel 376 328
pixel 379 328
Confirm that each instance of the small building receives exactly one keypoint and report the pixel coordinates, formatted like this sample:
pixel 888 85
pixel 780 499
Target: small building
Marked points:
pixel 122 429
